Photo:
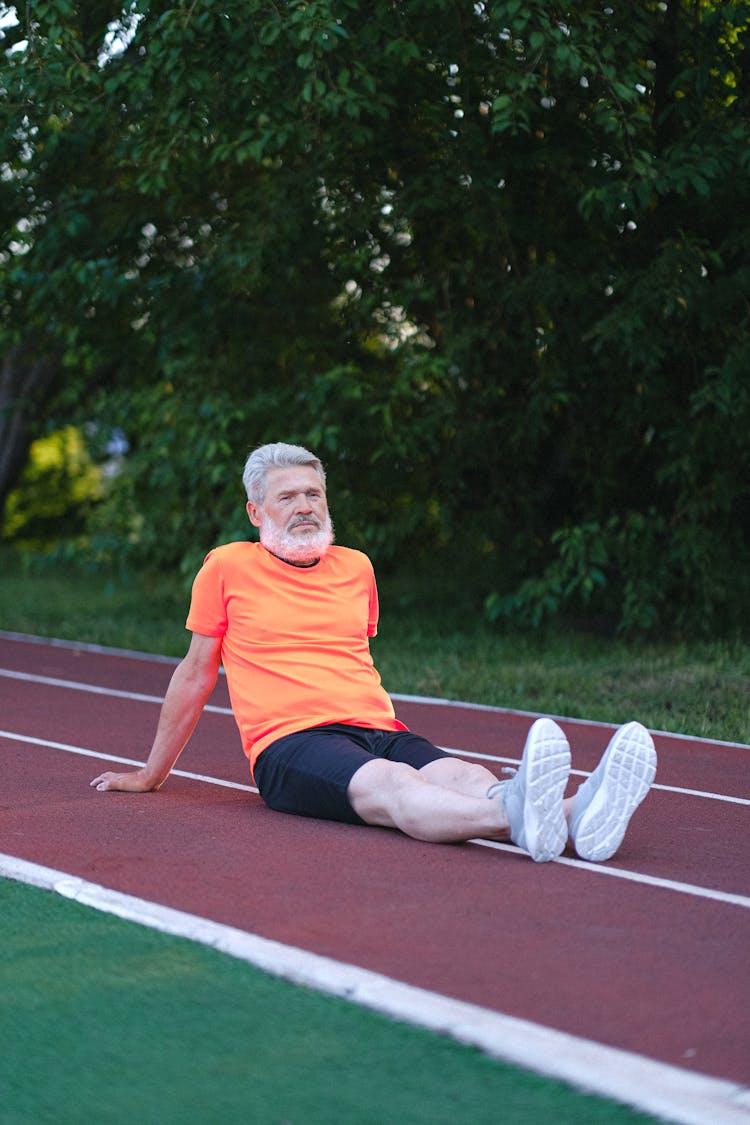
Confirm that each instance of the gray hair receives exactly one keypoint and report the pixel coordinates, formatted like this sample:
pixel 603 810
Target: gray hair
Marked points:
pixel 277 455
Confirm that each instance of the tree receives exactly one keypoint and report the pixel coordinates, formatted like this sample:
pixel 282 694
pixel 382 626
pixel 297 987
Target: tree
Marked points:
pixel 491 262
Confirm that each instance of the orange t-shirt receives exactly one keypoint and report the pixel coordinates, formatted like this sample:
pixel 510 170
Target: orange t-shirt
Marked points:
pixel 295 643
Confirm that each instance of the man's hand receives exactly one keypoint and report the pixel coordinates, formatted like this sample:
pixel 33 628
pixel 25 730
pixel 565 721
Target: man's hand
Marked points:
pixel 135 781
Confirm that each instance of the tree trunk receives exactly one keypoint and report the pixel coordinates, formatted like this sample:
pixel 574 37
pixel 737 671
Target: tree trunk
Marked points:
pixel 24 381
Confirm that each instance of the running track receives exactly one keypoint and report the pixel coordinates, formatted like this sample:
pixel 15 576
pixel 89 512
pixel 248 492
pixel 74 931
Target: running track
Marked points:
pixel 648 954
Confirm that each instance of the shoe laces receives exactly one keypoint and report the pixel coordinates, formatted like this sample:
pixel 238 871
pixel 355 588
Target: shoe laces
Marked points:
pixel 497 786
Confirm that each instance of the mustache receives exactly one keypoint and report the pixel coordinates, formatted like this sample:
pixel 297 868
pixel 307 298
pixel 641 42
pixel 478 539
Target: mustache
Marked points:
pixel 305 519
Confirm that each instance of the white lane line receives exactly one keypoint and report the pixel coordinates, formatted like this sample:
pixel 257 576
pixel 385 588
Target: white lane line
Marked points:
pixel 96 689
pixel 666 1091
pixel 724 897
pixel 585 773
pixel 83 752
pixel 691 889
pixel 139 697
pixel 86 646
pixel 431 701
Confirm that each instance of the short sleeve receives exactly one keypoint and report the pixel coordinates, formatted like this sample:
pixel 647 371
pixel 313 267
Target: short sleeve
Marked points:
pixel 208 611
pixel 374 609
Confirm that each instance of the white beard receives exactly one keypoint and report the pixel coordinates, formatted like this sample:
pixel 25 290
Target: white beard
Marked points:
pixel 301 547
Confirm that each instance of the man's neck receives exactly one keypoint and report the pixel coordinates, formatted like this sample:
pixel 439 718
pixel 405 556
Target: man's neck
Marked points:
pixel 291 562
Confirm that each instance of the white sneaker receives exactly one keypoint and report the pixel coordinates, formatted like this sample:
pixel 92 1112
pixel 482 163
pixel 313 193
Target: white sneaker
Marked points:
pixel 533 796
pixel 607 799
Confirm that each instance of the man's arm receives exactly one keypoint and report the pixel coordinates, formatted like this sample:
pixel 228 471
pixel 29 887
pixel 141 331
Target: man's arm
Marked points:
pixel 193 681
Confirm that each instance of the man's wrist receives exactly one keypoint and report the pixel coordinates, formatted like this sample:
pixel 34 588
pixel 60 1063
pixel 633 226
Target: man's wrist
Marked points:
pixel 150 779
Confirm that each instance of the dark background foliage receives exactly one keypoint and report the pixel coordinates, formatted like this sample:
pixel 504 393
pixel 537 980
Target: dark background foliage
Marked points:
pixel 490 261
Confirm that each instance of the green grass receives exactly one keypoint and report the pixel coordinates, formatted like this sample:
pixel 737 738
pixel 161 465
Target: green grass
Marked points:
pixel 702 690
pixel 106 1021
pixel 427 645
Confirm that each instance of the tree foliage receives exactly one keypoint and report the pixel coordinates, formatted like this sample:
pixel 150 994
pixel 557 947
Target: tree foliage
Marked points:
pixel 491 261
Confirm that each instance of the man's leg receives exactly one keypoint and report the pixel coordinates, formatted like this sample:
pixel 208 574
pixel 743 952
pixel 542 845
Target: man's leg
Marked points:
pixel 447 803
pixel 394 795
pixel 471 779
pixel 459 776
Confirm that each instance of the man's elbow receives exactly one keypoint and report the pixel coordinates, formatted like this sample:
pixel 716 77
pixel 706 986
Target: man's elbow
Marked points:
pixel 197 679
pixel 204 682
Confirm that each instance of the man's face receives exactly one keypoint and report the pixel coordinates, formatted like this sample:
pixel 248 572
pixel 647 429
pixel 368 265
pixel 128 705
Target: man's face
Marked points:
pixel 293 518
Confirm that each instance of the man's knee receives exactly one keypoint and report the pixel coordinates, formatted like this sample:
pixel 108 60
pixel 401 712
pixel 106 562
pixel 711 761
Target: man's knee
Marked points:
pixel 468 778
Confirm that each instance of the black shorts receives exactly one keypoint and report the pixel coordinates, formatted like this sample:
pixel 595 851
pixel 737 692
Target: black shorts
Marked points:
pixel 308 772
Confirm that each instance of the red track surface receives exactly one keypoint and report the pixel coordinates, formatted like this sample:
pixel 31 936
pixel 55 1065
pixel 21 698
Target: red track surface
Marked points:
pixel 649 969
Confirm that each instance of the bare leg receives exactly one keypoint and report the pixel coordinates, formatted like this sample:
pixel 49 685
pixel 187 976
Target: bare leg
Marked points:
pixel 459 776
pixel 470 779
pixel 393 795
pixel 568 809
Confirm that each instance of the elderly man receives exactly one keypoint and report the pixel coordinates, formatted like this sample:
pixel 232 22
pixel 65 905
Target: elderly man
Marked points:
pixel 290 617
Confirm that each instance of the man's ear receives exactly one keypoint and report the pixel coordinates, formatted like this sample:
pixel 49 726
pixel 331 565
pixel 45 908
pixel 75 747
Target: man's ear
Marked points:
pixel 253 513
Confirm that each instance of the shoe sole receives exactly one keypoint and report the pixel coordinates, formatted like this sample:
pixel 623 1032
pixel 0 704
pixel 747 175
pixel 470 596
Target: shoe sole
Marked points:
pixel 547 756
pixel 629 769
